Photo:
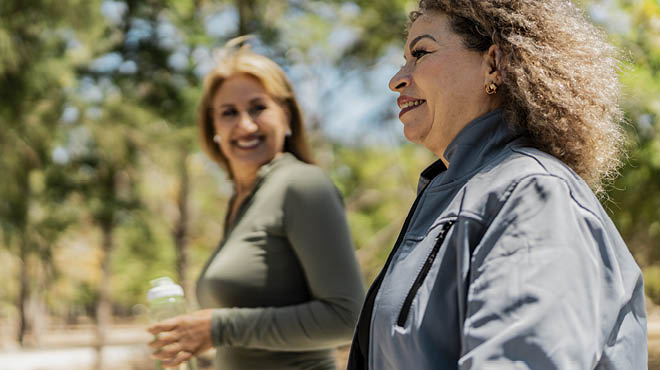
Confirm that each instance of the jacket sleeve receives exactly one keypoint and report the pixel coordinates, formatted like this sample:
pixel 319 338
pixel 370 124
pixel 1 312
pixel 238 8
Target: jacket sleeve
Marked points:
pixel 316 227
pixel 552 286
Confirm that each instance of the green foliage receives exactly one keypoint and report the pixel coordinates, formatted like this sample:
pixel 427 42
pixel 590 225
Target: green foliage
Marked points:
pixel 143 253
pixel 379 185
pixel 652 282
pixel 635 196
pixel 36 68
pixel 121 131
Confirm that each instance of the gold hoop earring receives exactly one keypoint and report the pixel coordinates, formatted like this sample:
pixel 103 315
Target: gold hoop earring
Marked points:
pixel 491 88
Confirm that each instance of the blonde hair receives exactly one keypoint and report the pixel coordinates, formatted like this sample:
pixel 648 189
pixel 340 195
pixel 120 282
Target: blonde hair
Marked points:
pixel 238 58
pixel 560 82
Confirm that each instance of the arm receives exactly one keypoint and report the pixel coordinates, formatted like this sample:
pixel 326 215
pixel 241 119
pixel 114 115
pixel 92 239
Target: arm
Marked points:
pixel 316 227
pixel 547 288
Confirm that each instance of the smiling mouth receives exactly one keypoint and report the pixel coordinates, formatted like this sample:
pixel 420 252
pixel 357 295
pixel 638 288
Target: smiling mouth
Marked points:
pixel 249 143
pixel 410 105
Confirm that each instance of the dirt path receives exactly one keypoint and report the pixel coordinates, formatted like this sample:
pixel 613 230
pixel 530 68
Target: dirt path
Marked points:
pixel 70 350
pixel 77 358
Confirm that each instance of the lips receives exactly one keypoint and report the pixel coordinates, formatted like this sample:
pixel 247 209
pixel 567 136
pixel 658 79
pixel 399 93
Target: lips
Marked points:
pixel 407 104
pixel 247 143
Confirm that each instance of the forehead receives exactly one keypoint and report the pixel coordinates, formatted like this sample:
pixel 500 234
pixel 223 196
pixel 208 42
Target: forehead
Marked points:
pixel 239 87
pixel 431 23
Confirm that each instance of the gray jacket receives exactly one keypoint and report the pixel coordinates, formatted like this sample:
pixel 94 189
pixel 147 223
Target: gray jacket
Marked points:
pixel 507 261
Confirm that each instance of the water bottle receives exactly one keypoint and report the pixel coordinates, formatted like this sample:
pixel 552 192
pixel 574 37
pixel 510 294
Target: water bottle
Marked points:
pixel 165 299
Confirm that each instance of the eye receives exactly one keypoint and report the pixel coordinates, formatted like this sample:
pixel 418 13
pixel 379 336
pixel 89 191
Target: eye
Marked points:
pixel 230 112
pixel 418 53
pixel 257 108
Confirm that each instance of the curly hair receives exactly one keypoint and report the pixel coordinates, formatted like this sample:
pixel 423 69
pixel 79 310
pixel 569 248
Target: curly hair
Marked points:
pixel 559 75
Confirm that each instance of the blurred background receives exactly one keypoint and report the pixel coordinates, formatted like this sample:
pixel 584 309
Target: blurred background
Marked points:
pixel 103 186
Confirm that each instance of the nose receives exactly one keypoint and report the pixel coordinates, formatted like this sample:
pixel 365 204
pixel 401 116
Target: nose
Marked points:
pixel 400 80
pixel 246 123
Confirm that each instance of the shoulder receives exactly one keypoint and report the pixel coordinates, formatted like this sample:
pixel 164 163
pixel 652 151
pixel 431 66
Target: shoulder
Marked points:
pixel 527 175
pixel 531 199
pixel 301 181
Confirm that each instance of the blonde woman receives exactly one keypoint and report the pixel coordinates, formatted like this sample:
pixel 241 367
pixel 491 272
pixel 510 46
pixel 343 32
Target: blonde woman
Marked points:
pixel 283 288
pixel 507 259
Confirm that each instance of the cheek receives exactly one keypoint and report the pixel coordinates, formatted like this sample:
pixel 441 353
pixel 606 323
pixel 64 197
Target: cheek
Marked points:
pixel 433 80
pixel 216 128
pixel 276 123
pixel 450 88
pixel 222 130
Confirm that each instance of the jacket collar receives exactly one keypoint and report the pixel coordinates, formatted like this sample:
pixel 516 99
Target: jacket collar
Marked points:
pixel 429 174
pixel 471 149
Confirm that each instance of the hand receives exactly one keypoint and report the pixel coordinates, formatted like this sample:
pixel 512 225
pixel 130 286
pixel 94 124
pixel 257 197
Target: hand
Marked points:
pixel 181 337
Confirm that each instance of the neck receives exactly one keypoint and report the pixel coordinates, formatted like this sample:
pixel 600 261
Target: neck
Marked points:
pixel 244 181
pixel 245 177
pixel 489 106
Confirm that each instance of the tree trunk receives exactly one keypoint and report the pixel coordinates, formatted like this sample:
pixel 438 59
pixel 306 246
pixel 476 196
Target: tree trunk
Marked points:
pixel 23 291
pixel 103 306
pixel 22 220
pixel 246 16
pixel 180 233
pixel 38 315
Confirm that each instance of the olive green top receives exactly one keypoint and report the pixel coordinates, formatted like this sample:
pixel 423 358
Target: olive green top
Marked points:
pixel 284 281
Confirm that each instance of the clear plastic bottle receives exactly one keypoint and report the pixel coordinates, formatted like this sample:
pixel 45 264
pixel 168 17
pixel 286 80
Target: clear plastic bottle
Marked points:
pixel 165 299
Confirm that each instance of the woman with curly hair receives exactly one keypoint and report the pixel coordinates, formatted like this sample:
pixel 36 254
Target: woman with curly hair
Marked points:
pixel 507 258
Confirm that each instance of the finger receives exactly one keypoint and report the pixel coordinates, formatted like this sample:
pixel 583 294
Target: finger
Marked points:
pixel 180 357
pixel 163 340
pixel 168 352
pixel 167 325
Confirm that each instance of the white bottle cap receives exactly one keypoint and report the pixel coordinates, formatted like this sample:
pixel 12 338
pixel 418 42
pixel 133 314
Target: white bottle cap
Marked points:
pixel 164 287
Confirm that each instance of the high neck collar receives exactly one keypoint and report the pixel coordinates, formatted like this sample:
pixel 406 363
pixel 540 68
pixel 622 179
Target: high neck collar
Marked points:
pixel 264 170
pixel 470 150
pixel 267 168
pixel 262 173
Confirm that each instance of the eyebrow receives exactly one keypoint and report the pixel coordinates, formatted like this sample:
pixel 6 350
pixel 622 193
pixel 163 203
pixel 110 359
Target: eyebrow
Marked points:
pixel 257 99
pixel 254 100
pixel 418 38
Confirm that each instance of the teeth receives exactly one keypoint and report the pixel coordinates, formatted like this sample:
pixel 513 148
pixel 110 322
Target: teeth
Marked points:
pixel 247 143
pixel 411 104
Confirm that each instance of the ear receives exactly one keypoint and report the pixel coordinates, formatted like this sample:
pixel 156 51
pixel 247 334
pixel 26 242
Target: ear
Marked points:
pixel 492 64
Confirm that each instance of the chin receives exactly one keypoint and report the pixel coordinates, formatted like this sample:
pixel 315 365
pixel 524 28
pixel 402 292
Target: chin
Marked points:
pixel 414 136
pixel 256 158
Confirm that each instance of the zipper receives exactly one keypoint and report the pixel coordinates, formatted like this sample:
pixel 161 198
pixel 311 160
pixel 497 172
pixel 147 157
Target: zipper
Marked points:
pixel 359 354
pixel 407 303
pixel 358 357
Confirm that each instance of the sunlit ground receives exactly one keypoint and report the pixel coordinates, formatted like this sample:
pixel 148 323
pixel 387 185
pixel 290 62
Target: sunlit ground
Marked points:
pixel 70 348
pixel 654 338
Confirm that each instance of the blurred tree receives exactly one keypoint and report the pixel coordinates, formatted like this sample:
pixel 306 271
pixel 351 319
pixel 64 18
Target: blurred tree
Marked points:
pixel 101 173
pixel 635 206
pixel 377 204
pixel 37 39
pixel 152 42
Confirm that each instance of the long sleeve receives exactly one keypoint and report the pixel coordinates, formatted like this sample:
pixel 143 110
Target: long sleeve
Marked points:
pixel 315 225
pixel 547 282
